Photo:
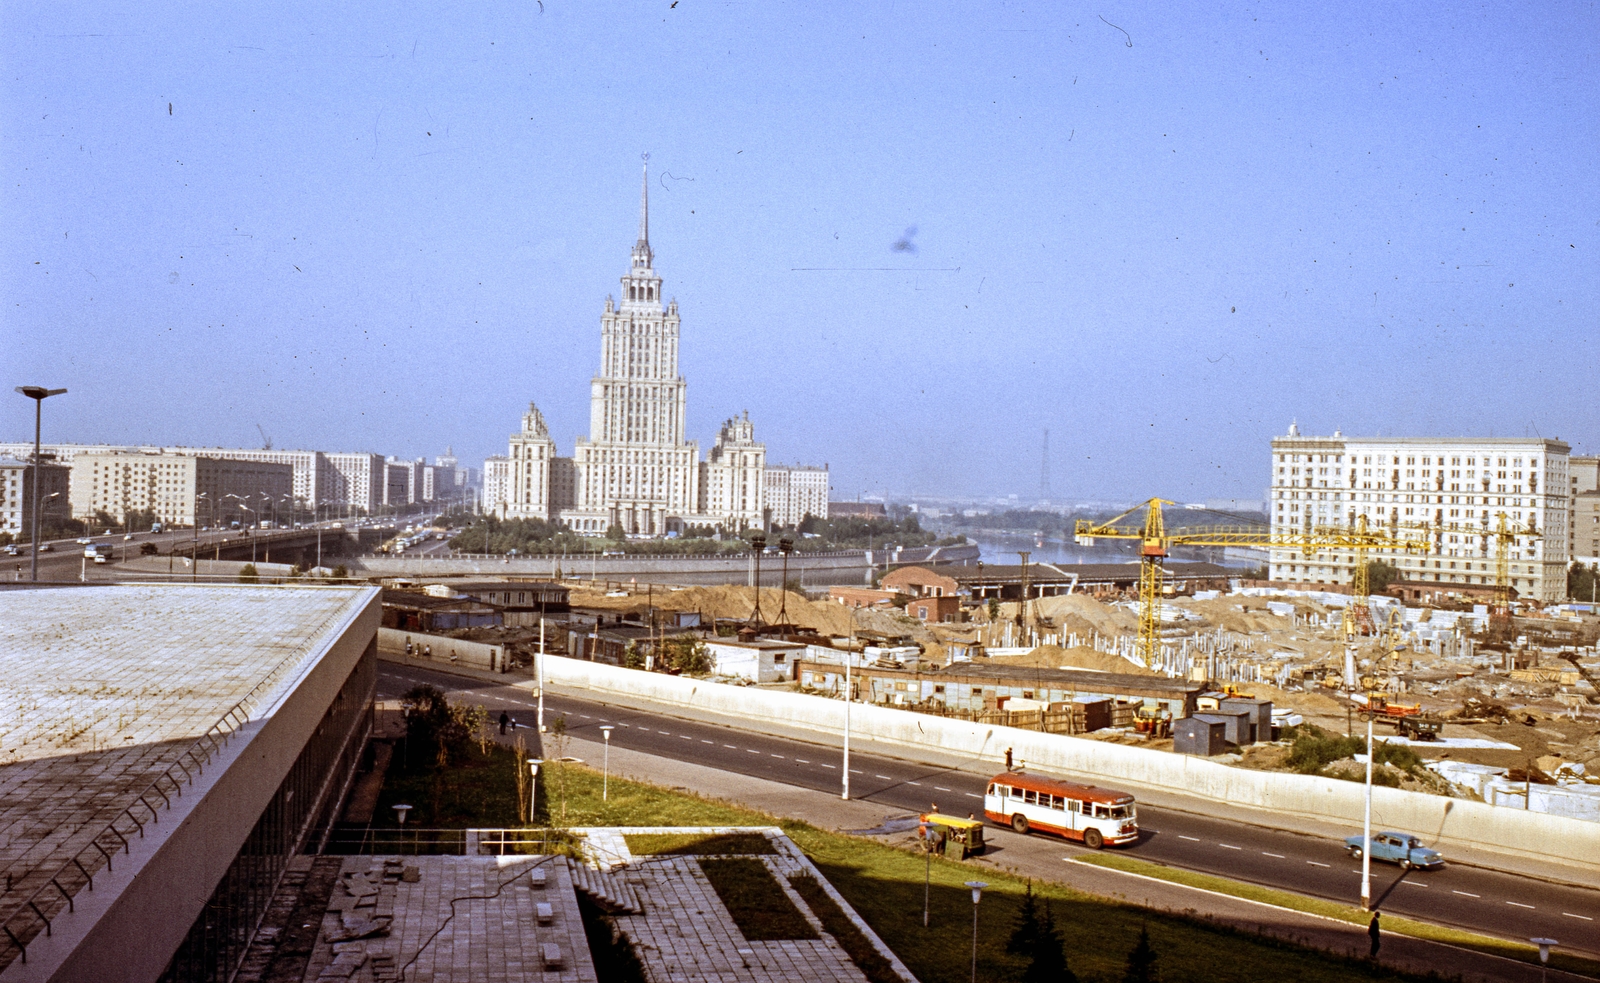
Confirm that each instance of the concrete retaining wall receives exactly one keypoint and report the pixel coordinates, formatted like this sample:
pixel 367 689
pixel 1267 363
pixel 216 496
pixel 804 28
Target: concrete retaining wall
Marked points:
pixel 1449 821
pixel 445 650
pixel 810 570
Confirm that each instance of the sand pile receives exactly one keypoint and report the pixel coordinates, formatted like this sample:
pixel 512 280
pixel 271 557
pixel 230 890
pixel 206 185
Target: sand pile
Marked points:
pixel 1246 615
pixel 1078 613
pixel 1076 657
pixel 736 603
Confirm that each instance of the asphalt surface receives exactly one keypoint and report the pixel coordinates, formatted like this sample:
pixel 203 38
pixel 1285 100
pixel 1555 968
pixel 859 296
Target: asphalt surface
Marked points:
pixel 64 561
pixel 1487 901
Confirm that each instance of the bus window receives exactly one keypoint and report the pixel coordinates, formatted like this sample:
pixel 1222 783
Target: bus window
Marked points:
pixel 1058 803
pixel 994 789
pixel 1031 797
pixel 1121 812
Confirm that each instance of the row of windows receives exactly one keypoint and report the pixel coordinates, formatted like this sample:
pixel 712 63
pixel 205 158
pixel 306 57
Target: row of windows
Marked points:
pixel 1383 459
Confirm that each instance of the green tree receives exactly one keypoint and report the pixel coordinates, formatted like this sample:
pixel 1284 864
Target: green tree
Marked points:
pixel 1380 575
pixel 248 574
pixel 1581 581
pixel 1037 940
pixel 1141 966
pixel 341 572
pixel 615 533
pixel 686 655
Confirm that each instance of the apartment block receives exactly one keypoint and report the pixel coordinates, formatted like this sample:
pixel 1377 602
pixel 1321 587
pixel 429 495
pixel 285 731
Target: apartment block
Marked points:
pixel 16 494
pixel 178 487
pixel 1456 488
pixel 794 492
pixel 1583 516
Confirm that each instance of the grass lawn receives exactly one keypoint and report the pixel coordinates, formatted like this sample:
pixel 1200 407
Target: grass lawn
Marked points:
pixel 1348 913
pixel 755 900
pixel 885 884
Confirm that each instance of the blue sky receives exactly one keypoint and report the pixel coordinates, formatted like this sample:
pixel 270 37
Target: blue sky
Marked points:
pixel 1162 232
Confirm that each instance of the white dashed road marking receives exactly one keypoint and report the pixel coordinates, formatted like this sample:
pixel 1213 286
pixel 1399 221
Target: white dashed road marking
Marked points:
pixel 802 761
pixel 940 788
pixel 918 784
pixel 730 747
pixel 1519 904
pixel 1466 894
pixel 884 777
pixel 1277 855
pixel 704 741
pixel 779 756
pixel 830 766
pixel 1191 839
pixel 751 750
pixel 1571 915
pixel 973 795
pixel 686 737
pixel 1230 846
pixel 1315 864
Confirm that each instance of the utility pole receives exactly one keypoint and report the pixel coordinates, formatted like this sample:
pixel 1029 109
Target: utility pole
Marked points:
pixel 1044 468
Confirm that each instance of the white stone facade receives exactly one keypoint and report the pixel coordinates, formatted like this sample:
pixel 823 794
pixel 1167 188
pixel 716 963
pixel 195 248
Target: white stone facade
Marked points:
pixel 178 486
pixel 792 493
pixel 496 485
pixel 355 480
pixel 732 479
pixel 1455 486
pixel 635 469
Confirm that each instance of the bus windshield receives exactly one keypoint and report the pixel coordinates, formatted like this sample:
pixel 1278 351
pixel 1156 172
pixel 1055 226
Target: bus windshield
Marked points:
pixel 1112 812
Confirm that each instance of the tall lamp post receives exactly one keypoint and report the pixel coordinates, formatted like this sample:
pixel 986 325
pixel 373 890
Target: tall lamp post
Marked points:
pixel 194 573
pixel 849 697
pixel 38 394
pixel 1366 829
pixel 785 546
pixel 977 892
pixel 758 542
pixel 605 774
pixel 533 789
pixel 1545 945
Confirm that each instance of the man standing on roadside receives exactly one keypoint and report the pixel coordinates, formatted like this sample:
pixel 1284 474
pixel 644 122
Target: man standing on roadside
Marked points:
pixel 505 721
pixel 1373 934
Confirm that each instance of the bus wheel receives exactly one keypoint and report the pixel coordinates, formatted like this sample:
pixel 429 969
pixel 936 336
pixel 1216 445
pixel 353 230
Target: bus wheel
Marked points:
pixel 1019 822
pixel 1092 839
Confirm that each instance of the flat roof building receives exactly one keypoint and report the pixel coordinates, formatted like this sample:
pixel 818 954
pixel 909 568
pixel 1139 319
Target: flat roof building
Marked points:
pixel 1456 487
pixel 177 745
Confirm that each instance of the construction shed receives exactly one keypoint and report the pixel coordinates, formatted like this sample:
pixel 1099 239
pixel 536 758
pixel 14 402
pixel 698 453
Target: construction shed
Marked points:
pixel 1201 735
pixel 982 685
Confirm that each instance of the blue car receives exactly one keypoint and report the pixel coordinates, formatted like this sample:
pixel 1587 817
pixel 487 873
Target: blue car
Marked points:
pixel 1397 848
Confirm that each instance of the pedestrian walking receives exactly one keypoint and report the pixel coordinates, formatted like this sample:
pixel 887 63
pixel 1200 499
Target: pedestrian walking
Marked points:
pixel 1008 759
pixel 505 721
pixel 1373 934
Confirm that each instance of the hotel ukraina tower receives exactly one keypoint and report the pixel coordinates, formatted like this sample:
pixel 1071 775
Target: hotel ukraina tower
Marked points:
pixel 635 469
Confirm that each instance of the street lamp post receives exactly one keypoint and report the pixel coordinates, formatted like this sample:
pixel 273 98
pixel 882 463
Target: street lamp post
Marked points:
pixel 848 699
pixel 927 869
pixel 539 671
pixel 38 394
pixel 194 573
pixel 605 774
pixel 1366 829
pixel 533 788
pixel 977 893
pixel 1545 945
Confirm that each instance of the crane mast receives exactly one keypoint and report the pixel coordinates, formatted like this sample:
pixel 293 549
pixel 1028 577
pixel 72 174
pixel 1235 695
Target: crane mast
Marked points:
pixel 1156 541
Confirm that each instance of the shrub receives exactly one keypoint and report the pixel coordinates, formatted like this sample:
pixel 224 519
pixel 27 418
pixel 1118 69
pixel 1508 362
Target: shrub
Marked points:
pixel 248 574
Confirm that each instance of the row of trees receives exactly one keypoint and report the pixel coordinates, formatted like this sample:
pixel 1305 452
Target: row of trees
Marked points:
pixel 1039 943
pixel 491 534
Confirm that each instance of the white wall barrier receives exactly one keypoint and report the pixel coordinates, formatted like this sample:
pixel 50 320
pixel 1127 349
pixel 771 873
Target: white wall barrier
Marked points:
pixel 443 649
pixel 1444 820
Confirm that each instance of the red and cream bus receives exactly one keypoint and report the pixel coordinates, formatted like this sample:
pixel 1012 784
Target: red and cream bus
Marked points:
pixel 1095 815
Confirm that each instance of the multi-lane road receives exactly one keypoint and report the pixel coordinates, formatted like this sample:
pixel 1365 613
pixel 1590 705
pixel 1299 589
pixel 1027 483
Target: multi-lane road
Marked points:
pixel 1488 901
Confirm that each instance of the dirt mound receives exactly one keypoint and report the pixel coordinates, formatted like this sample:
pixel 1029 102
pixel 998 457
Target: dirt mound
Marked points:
pixel 1246 615
pixel 1079 613
pixel 1076 657
pixel 737 603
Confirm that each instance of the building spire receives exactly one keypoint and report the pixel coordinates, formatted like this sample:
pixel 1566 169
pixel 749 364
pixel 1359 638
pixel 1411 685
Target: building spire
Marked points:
pixel 644 202
pixel 642 256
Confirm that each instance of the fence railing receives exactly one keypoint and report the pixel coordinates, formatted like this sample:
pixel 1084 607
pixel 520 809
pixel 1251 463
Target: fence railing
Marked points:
pixel 22 920
pixel 424 841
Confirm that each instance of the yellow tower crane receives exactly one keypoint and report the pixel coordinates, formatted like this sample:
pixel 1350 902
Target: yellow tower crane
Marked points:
pixel 1505 539
pixel 1155 542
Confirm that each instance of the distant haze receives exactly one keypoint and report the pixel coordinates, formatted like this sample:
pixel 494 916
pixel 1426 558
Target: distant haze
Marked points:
pixel 906 240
